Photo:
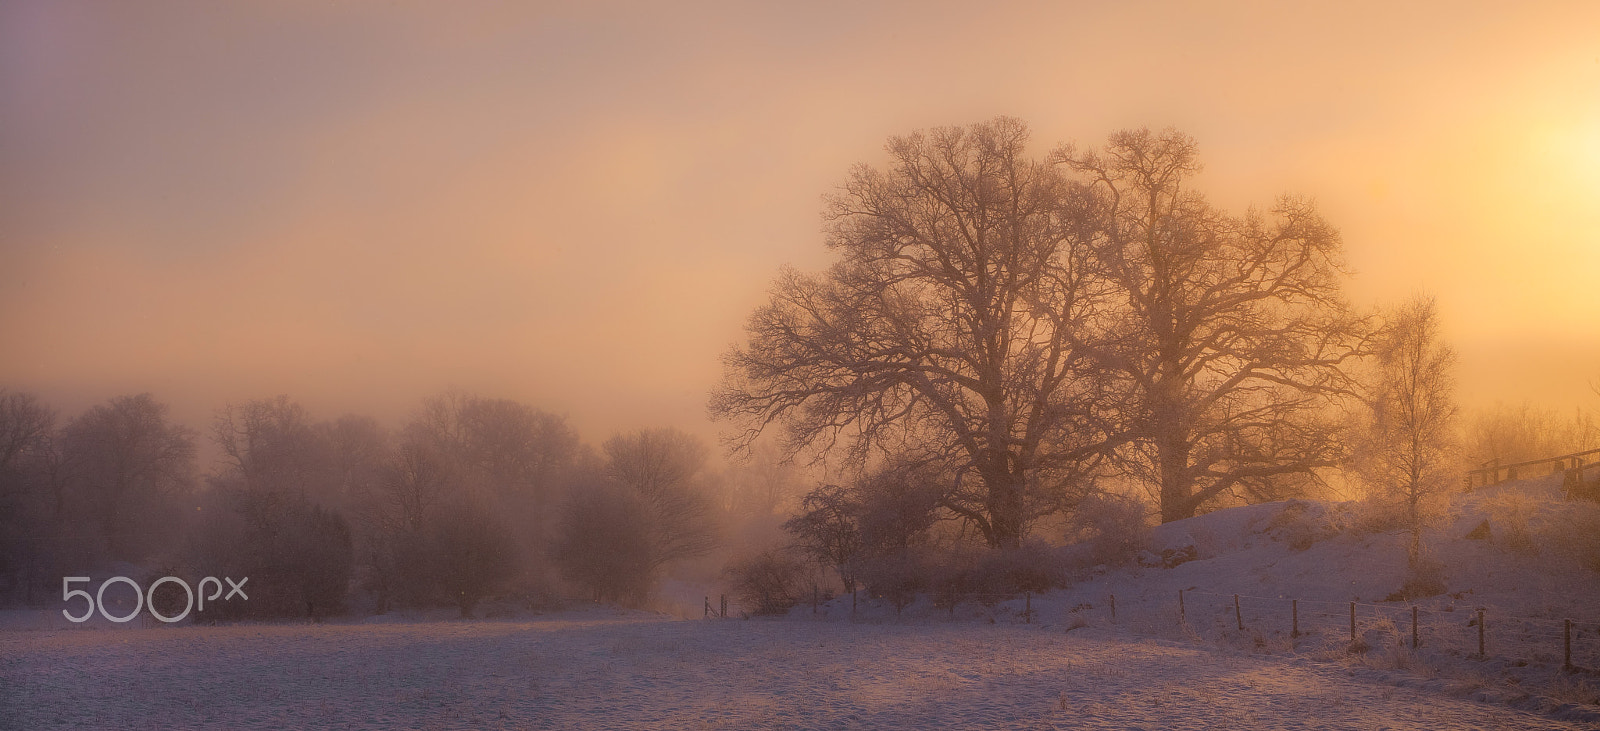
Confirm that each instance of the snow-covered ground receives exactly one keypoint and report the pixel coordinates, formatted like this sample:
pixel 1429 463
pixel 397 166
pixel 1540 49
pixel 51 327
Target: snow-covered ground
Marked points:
pixel 1071 664
pixel 1315 559
pixel 604 669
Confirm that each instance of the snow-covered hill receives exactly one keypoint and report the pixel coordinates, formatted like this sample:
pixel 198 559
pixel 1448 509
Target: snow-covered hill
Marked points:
pixel 1299 566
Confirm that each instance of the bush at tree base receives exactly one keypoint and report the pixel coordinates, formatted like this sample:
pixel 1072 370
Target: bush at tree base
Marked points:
pixel 770 582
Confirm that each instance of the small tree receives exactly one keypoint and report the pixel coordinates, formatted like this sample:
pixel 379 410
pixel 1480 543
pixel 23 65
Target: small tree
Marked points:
pixel 827 530
pixel 648 509
pixel 767 583
pixel 1412 438
pixel 898 505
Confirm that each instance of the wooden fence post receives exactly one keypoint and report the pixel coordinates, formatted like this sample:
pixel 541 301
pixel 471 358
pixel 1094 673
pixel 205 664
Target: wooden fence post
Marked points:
pixel 1352 621
pixel 1238 617
pixel 1113 607
pixel 1027 610
pixel 1294 613
pixel 707 615
pixel 1182 616
pixel 1414 627
pixel 1481 652
pixel 724 613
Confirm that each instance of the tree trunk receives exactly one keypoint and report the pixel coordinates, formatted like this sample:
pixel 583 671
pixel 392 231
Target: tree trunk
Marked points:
pixel 1172 454
pixel 1413 499
pixel 1004 503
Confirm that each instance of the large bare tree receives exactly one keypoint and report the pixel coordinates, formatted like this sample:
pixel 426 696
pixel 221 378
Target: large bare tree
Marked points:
pixel 949 332
pixel 1233 332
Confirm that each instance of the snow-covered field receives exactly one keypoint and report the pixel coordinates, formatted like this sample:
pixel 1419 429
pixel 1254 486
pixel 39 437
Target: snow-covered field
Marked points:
pixel 977 665
pixel 605 669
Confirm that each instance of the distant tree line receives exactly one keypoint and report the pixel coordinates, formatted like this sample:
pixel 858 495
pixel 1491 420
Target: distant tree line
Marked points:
pixel 471 499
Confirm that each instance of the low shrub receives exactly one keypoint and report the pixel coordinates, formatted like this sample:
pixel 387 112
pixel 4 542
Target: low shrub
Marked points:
pixel 1114 527
pixel 1573 534
pixel 897 576
pixel 1029 567
pixel 770 582
pixel 1509 514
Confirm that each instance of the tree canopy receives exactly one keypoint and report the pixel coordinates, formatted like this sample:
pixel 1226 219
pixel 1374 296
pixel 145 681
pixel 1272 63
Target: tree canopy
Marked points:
pixel 1019 324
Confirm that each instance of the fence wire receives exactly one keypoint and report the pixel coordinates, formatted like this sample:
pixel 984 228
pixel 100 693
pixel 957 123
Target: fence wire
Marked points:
pixel 1449 629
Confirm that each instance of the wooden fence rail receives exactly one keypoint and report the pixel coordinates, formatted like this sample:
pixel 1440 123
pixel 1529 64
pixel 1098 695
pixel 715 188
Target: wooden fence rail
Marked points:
pixel 1577 465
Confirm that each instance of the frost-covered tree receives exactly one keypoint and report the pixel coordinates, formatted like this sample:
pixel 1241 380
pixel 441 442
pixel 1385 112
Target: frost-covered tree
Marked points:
pixel 1411 442
pixel 828 531
pixel 126 462
pixel 268 516
pixel 949 331
pixel 603 545
pixel 1232 335
pixel 30 492
pixel 661 467
pixel 501 451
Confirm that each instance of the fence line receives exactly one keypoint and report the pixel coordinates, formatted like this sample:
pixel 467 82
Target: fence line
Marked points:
pixel 1475 630
pixel 1575 464
pixel 1466 631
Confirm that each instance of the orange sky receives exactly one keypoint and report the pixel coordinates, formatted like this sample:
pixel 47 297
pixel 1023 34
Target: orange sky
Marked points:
pixel 578 205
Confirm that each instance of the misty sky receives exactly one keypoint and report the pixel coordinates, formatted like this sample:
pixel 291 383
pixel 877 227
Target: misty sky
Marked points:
pixel 361 205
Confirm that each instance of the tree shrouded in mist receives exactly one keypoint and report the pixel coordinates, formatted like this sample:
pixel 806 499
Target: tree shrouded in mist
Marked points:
pixel 499 449
pixel 949 332
pixel 603 544
pixel 827 530
pixel 31 500
pixel 268 520
pixel 1510 434
pixel 659 466
pixel 647 509
pixel 1232 335
pixel 473 554
pixel 465 503
pixel 1411 442
pixel 126 462
pixel 25 429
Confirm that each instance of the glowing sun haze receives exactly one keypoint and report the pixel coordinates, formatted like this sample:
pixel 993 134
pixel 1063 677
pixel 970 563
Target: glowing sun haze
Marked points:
pixel 578 205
